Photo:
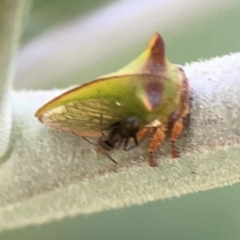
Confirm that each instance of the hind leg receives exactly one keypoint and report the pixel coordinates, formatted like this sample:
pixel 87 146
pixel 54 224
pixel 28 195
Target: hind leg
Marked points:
pixel 158 136
pixel 175 133
pixel 184 111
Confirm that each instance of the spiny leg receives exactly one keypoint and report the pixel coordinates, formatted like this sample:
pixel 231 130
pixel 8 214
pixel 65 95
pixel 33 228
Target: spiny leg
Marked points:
pixel 89 141
pixel 184 111
pixel 104 152
pixel 157 140
pixel 126 148
pixel 85 138
pixel 119 143
pixel 135 141
pixel 176 131
pixel 112 159
pixel 142 134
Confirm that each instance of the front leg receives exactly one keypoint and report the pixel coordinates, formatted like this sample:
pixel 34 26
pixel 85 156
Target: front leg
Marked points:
pixel 157 140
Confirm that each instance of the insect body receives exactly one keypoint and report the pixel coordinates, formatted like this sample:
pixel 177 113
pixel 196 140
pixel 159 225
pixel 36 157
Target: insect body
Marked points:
pixel 118 133
pixel 150 88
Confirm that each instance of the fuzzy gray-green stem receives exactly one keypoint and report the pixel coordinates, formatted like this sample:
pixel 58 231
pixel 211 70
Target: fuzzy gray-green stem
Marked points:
pixel 11 21
pixel 52 174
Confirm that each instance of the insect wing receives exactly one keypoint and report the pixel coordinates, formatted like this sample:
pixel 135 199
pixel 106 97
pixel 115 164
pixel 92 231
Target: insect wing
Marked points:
pixel 148 88
pixel 92 107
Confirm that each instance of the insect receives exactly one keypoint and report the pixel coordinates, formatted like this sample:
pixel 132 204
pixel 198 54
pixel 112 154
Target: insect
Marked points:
pixel 120 132
pixel 117 134
pixel 150 89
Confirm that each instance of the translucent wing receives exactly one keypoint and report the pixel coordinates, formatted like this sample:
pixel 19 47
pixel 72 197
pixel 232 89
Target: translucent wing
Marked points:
pixel 94 106
pixel 87 118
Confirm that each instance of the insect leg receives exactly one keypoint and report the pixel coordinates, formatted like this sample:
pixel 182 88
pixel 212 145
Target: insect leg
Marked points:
pixel 89 141
pixel 126 148
pixel 158 138
pixel 135 141
pixel 113 160
pixel 142 134
pixel 119 143
pixel 104 152
pixel 84 138
pixel 176 131
pixel 185 95
pixel 178 124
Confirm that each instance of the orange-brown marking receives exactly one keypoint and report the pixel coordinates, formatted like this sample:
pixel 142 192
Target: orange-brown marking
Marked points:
pixel 157 49
pixel 178 124
pixel 159 132
pixel 142 133
pixel 156 141
pixel 175 133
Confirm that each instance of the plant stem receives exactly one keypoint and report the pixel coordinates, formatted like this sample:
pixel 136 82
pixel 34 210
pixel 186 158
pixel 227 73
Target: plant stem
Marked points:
pixel 11 22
